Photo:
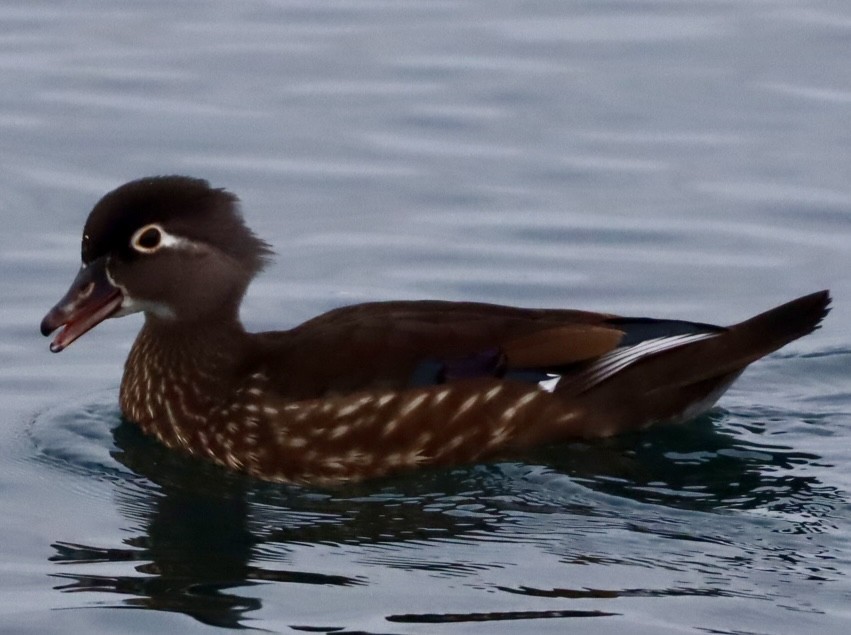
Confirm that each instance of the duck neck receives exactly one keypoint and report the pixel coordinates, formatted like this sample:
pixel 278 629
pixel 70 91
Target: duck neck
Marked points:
pixel 178 373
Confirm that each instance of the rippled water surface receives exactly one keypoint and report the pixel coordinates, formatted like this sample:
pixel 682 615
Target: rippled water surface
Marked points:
pixel 662 158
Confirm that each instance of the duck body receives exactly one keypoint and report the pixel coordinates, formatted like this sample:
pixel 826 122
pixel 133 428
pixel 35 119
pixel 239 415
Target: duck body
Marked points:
pixel 373 389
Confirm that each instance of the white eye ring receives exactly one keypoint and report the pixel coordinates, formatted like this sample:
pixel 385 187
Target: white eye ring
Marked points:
pixel 148 239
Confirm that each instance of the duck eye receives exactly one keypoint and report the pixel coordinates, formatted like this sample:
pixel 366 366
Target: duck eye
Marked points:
pixel 148 239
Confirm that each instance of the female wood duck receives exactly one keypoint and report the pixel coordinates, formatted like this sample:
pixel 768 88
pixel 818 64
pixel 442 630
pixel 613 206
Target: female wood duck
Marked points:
pixel 372 389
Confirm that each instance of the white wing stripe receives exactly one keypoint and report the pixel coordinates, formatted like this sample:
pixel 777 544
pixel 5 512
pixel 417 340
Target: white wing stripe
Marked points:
pixel 619 359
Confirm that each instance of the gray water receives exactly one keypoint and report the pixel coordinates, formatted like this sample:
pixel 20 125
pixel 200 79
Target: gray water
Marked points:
pixel 650 157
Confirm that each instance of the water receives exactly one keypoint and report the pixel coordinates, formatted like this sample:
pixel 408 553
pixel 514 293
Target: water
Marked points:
pixel 672 159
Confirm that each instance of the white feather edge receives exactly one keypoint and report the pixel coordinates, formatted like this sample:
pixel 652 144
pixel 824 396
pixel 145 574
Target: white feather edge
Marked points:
pixel 618 359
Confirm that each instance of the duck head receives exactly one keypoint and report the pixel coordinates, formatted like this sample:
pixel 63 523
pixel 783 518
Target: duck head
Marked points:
pixel 170 246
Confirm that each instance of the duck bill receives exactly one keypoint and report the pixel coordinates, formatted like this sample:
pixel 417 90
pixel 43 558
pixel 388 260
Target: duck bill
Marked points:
pixel 91 299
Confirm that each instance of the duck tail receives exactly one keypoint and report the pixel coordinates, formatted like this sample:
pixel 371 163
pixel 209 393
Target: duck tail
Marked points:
pixel 683 381
pixel 766 332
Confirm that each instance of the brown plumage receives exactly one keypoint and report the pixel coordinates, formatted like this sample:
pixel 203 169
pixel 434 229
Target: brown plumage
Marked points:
pixel 373 389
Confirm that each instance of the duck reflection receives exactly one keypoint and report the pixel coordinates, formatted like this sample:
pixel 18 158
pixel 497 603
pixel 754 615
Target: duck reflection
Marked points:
pixel 201 528
pixel 194 546
pixel 202 533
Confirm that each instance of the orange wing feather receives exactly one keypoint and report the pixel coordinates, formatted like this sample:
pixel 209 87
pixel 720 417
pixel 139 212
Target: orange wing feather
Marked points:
pixel 560 346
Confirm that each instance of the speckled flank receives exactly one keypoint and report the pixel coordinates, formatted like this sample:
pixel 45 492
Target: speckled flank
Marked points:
pixel 412 430
pixel 350 437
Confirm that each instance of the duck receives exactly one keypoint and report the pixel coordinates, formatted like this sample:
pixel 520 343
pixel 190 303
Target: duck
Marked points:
pixel 376 389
